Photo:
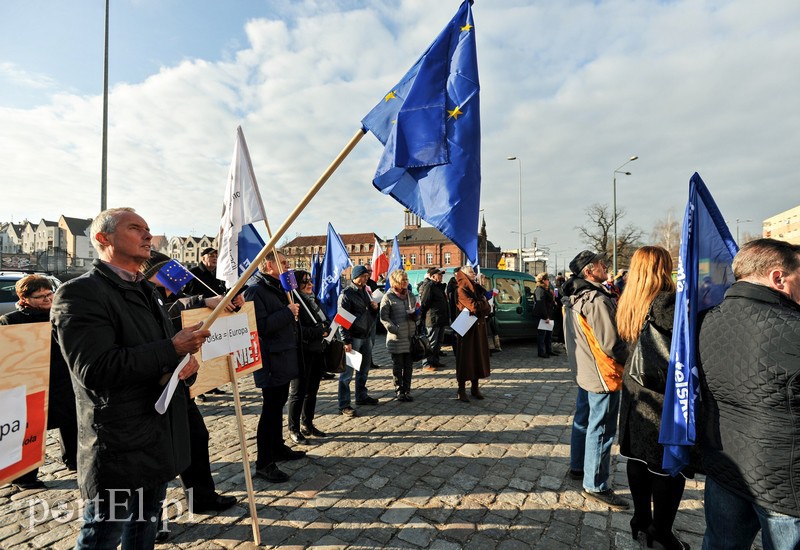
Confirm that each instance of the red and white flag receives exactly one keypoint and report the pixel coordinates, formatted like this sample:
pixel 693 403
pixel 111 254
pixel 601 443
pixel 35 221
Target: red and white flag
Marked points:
pixel 380 263
pixel 342 318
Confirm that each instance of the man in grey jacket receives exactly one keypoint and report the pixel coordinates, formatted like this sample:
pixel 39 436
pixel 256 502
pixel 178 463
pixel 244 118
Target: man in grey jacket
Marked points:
pixel 597 356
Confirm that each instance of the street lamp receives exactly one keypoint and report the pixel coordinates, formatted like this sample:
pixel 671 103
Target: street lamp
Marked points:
pixel 520 207
pixel 525 236
pixel 618 171
pixel 737 228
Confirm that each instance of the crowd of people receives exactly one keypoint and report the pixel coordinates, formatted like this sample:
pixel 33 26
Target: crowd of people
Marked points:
pixel 117 333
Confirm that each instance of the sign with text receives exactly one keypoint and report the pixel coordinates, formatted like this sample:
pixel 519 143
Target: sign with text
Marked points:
pixel 24 374
pixel 228 334
pixel 214 372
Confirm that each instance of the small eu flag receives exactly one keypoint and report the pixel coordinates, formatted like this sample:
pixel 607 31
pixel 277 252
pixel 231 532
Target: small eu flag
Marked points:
pixel 174 276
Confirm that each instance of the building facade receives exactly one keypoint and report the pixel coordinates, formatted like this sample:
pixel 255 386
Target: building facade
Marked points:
pixel 300 250
pixel 784 226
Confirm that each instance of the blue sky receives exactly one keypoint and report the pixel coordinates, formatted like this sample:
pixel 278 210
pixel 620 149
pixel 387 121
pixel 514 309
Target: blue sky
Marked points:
pixel 572 88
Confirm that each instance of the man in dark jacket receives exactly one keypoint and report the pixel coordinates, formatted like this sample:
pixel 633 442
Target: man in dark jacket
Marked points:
pixel 119 344
pixel 356 300
pixel 436 312
pixel 749 354
pixel 278 334
pixel 206 272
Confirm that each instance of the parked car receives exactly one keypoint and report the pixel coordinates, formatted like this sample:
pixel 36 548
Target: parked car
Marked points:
pixel 8 294
pixel 513 304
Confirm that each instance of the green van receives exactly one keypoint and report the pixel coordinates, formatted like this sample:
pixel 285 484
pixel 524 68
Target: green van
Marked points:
pixel 513 304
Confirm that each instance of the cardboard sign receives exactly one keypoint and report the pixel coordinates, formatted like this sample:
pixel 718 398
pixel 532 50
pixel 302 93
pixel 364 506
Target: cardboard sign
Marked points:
pixel 214 372
pixel 25 362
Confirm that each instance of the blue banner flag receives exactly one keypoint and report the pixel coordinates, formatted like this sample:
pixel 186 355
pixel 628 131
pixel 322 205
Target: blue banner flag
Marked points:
pixel 334 262
pixel 250 244
pixel 704 274
pixel 174 276
pixel 430 126
pixel 395 262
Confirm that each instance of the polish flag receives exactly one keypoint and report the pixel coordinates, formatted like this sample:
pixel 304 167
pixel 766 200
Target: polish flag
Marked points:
pixel 380 263
pixel 344 318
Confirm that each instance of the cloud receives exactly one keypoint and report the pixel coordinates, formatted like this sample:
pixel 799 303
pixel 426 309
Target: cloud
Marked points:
pixel 687 86
pixel 20 77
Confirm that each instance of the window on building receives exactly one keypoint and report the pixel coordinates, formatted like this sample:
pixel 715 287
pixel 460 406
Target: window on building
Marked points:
pixel 429 258
pixel 413 259
pixel 189 244
pixel 357 248
pixel 349 248
pixel 361 261
pixel 403 259
pixel 366 248
pixel 446 258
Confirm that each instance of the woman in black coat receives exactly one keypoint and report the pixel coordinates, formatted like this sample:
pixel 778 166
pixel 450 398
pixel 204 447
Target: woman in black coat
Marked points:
pixel 650 294
pixel 543 308
pixel 35 294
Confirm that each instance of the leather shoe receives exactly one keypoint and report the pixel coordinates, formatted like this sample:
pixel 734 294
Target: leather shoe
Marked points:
pixel 30 485
pixel 217 503
pixel 311 430
pixel 609 498
pixel 367 401
pixel 289 454
pixel 271 473
pixel 348 411
pixel 298 438
pixel 408 396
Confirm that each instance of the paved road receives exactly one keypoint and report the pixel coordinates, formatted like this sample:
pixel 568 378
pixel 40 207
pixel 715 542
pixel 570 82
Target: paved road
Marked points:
pixel 435 473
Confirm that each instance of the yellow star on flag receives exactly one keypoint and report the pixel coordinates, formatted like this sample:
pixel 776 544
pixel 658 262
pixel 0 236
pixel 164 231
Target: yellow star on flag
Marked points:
pixel 390 95
pixel 455 113
pixel 466 28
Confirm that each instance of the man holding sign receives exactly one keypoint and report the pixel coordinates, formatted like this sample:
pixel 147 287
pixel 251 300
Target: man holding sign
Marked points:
pixel 118 344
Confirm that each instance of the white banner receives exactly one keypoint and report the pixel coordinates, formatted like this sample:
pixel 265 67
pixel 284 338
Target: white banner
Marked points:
pixel 13 419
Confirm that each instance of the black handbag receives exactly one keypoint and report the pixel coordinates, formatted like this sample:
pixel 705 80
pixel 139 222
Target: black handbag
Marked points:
pixel 420 347
pixel 649 360
pixel 335 361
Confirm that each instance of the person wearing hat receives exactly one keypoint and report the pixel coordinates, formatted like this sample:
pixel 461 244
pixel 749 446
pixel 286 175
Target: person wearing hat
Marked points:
pixel 206 271
pixel 544 304
pixel 597 356
pixel 356 300
pixel 435 313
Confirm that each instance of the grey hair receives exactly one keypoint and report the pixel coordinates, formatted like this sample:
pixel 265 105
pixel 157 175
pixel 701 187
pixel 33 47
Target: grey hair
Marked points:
pixel 106 222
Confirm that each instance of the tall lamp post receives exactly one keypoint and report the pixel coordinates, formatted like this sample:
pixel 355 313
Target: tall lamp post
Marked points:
pixel 104 153
pixel 520 210
pixel 737 228
pixel 618 171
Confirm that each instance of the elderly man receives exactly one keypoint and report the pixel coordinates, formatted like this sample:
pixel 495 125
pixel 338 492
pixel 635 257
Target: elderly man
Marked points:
pixel 597 356
pixel 356 300
pixel 279 335
pixel 205 282
pixel 119 344
pixel 749 354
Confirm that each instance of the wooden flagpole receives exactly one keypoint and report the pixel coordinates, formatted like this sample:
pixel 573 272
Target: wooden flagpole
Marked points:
pixel 283 228
pixel 248 476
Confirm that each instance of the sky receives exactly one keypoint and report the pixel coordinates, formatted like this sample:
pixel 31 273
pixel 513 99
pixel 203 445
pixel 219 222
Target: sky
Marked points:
pixel 573 89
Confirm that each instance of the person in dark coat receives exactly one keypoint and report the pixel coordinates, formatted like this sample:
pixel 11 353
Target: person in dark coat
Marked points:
pixel 436 314
pixel 279 336
pixel 205 282
pixel 544 304
pixel 35 294
pixel 119 344
pixel 749 360
pixel 314 327
pixel 197 481
pixel 472 352
pixel 656 495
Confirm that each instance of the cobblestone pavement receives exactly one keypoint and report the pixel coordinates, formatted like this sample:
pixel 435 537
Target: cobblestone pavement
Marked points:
pixel 434 473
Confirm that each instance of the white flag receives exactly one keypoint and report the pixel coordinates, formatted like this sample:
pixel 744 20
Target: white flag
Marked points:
pixel 242 205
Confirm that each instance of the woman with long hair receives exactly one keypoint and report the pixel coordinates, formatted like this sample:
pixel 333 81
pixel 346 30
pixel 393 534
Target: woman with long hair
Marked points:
pixel 649 296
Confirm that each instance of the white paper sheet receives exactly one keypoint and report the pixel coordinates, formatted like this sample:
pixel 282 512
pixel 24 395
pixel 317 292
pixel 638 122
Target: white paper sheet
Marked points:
pixel 463 322
pixel 544 324
pixel 169 389
pixel 377 295
pixel 13 419
pixel 353 359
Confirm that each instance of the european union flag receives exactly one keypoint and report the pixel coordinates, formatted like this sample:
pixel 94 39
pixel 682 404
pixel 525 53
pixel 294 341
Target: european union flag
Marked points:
pixel 430 125
pixel 174 276
pixel 334 262
pixel 395 262
pixel 704 273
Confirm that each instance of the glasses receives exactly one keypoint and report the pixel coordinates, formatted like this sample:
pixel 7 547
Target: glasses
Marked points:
pixel 305 282
pixel 47 296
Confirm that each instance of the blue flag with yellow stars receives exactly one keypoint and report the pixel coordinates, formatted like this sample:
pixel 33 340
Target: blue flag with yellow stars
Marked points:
pixel 174 276
pixel 430 125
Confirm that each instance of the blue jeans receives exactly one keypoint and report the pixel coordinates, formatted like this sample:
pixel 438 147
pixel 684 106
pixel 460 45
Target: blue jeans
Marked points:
pixel 733 523
pixel 121 515
pixel 593 431
pixel 364 347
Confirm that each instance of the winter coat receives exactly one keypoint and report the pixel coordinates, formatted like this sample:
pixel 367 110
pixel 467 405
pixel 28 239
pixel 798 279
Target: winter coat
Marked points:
pixel 400 325
pixel 278 333
pixel 312 326
pixel 116 340
pixel 357 301
pixel 595 351
pixel 472 352
pixel 61 404
pixel 433 299
pixel 640 411
pixel 749 355
pixel 195 287
pixel 544 302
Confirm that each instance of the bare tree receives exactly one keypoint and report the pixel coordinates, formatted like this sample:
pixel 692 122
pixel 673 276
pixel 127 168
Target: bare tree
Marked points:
pixel 667 233
pixel 598 233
